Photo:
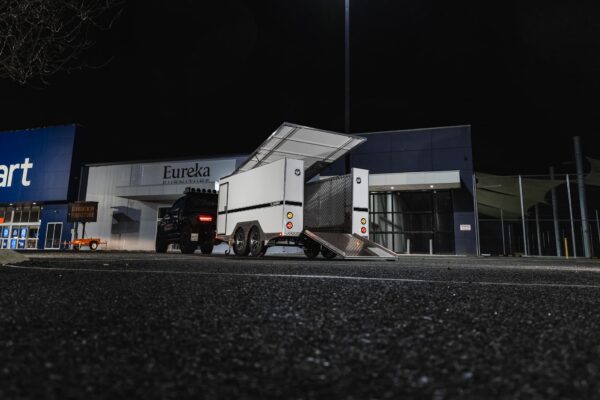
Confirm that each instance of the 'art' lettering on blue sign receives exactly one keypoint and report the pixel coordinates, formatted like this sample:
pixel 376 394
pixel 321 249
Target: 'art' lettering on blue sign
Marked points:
pixel 35 165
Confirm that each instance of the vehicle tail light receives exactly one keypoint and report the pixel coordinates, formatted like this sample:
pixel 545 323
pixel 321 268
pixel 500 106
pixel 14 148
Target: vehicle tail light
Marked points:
pixel 363 230
pixel 289 225
pixel 205 218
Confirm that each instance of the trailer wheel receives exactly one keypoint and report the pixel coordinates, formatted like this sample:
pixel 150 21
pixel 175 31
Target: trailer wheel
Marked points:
pixel 328 254
pixel 240 245
pixel 256 246
pixel 311 248
pixel 93 246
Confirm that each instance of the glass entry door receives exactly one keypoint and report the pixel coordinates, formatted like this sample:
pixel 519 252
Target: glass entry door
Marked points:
pixel 53 234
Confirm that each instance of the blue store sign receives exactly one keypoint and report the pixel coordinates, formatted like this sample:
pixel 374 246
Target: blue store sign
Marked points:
pixel 35 165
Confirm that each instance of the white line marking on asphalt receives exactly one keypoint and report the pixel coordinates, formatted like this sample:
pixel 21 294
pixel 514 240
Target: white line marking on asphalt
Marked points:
pixel 296 276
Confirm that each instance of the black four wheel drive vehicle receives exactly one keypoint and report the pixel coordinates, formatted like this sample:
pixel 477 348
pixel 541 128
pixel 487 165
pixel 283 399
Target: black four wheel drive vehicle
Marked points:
pixel 191 222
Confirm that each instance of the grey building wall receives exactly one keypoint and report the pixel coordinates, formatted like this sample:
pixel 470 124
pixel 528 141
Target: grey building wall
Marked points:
pixel 430 149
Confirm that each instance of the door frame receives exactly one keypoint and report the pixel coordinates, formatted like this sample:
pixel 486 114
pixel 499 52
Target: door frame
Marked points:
pixel 53 233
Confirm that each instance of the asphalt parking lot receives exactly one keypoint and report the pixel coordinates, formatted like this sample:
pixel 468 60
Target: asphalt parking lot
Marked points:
pixel 140 325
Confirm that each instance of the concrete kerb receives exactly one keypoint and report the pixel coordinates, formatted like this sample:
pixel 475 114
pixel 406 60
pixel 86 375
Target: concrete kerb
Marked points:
pixel 11 257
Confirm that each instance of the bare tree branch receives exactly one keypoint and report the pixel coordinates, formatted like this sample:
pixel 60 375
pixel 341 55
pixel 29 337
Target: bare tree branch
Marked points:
pixel 39 38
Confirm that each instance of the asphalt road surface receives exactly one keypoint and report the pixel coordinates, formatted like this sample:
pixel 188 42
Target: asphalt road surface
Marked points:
pixel 135 325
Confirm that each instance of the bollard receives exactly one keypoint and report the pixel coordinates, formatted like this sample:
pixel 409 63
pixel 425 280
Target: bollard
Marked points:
pixel 566 248
pixel 407 246
pixel 430 247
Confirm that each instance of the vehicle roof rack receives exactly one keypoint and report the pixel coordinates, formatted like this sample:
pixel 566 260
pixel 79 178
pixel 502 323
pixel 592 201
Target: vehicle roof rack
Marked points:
pixel 190 189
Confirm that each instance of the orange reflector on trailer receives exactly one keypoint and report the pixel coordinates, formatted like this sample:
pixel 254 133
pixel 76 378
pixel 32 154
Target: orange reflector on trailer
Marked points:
pixel 290 215
pixel 363 221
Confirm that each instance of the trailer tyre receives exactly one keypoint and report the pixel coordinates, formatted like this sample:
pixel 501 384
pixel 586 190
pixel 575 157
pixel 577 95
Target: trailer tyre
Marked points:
pixel 93 246
pixel 256 245
pixel 240 244
pixel 311 248
pixel 207 248
pixel 328 254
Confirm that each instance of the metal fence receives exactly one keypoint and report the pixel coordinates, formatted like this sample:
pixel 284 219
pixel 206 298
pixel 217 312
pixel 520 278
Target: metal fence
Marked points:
pixel 538 215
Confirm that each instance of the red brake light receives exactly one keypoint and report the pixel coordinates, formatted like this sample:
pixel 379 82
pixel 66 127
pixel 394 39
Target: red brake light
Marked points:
pixel 363 230
pixel 205 218
pixel 289 225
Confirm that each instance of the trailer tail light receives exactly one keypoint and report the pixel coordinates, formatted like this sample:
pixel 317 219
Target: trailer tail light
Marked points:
pixel 290 215
pixel 363 221
pixel 289 225
pixel 205 218
pixel 363 230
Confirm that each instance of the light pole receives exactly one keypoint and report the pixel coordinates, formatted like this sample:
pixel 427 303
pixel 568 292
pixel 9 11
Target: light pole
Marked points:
pixel 347 65
pixel 347 160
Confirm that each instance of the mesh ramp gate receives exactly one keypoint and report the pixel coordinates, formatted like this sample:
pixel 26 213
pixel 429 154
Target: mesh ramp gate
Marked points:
pixel 350 246
pixel 328 205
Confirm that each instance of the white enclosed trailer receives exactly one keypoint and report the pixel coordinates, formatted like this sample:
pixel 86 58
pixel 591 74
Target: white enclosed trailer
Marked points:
pixel 271 200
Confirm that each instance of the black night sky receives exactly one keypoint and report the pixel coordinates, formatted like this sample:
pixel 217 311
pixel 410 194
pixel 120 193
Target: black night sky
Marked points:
pixel 190 79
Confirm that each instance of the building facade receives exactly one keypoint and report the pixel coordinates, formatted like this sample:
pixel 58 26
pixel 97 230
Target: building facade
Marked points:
pixel 132 197
pixel 420 190
pixel 421 184
pixel 39 176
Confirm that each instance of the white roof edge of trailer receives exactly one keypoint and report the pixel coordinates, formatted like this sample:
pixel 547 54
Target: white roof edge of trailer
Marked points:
pixel 318 148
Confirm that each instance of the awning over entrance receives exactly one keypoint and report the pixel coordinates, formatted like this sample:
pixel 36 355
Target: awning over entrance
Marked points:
pixel 430 180
pixel 316 147
pixel 158 193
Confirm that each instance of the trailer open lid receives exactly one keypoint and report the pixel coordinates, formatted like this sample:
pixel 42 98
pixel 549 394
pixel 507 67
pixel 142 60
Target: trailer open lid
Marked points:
pixel 316 147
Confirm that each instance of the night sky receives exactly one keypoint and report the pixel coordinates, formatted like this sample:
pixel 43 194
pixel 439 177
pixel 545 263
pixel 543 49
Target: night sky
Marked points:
pixel 190 79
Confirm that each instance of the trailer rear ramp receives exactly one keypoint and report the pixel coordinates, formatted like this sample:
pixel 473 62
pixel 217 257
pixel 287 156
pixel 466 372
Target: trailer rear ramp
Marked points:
pixel 351 246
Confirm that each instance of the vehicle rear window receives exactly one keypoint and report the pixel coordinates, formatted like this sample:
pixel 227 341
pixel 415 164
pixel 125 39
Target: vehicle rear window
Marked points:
pixel 202 202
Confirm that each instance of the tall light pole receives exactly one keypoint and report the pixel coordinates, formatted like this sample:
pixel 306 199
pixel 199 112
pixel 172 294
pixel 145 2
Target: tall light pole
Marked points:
pixel 585 229
pixel 347 161
pixel 347 65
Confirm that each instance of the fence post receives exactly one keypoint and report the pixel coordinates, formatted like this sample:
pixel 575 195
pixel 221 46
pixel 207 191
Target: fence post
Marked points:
pixel 571 216
pixel 476 212
pixel 523 216
pixel 537 229
pixel 598 226
pixel 555 217
pixel 502 225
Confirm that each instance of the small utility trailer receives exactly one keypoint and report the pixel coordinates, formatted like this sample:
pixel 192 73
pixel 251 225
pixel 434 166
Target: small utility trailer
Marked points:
pixel 273 200
pixel 92 243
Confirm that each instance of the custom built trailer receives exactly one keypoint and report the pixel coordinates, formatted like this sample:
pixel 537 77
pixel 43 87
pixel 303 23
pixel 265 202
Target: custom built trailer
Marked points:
pixel 273 200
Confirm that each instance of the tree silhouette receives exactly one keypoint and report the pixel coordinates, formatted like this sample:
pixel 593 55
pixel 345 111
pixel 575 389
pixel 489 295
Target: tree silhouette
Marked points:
pixel 39 38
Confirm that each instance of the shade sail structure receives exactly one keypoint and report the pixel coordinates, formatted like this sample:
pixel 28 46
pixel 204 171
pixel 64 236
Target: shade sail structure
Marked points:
pixel 593 178
pixel 316 147
pixel 495 193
